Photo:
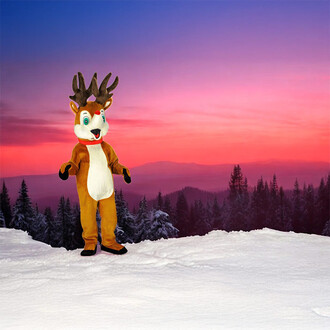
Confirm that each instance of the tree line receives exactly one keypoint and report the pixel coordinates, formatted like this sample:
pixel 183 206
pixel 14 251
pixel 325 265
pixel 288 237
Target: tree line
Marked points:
pixel 303 210
pixel 64 228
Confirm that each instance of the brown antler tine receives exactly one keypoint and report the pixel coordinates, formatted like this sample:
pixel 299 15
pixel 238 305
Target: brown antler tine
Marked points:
pixel 102 94
pixel 91 84
pixel 82 86
pixel 103 86
pixel 94 88
pixel 74 84
pixel 114 85
pixel 81 94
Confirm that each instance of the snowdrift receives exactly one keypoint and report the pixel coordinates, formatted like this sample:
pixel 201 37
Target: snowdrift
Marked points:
pixel 257 280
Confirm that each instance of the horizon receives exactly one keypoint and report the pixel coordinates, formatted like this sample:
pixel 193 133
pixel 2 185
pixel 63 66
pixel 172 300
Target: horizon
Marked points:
pixel 45 190
pixel 209 83
pixel 262 162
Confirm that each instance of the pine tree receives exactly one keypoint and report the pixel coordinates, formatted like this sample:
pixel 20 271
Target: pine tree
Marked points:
pixel 125 229
pixel 147 227
pixel 209 217
pixel 285 222
pixel 259 206
pixel 273 216
pixel 236 183
pixel 57 227
pixel 326 230
pixel 169 210
pixel 193 218
pixel 2 220
pixel 69 227
pixel 49 218
pixel 160 227
pixel 322 207
pixel 159 201
pixel 279 210
pixel 197 219
pixel 308 217
pixel 217 215
pixel 182 222
pixel 238 201
pixel 23 212
pixel 39 227
pixel 267 194
pixel 297 211
pixel 202 222
pixel 225 214
pixel 142 222
pixel 5 206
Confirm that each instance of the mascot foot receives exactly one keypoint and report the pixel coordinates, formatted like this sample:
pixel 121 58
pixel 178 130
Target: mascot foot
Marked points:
pixel 87 253
pixel 121 250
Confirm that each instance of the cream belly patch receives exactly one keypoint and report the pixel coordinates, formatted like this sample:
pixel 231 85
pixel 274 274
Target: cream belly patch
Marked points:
pixel 99 179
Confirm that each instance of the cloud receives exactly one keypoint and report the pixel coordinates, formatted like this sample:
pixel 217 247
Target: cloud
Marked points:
pixel 133 108
pixel 16 130
pixel 20 130
pixel 135 122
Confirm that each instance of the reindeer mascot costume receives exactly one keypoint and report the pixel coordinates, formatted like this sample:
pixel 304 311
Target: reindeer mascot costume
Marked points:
pixel 93 162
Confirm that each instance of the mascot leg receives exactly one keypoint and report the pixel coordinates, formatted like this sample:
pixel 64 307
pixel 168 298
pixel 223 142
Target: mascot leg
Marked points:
pixel 88 208
pixel 108 213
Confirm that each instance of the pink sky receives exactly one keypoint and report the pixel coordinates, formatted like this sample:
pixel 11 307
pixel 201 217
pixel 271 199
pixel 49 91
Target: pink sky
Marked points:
pixel 247 88
pixel 225 115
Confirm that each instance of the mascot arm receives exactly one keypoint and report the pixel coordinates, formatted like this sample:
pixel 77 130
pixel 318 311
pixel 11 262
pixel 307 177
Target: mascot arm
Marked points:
pixel 71 167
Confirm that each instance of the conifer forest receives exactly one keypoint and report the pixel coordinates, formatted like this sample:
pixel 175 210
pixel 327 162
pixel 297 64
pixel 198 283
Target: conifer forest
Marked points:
pixel 304 209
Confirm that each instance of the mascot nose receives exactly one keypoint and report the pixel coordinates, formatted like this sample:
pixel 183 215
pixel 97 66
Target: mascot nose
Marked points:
pixel 97 113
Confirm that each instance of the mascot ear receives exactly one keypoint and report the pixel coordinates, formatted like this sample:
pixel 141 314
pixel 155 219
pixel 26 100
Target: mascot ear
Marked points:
pixel 73 107
pixel 107 103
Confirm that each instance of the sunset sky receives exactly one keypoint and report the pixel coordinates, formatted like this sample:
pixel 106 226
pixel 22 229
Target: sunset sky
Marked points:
pixel 208 82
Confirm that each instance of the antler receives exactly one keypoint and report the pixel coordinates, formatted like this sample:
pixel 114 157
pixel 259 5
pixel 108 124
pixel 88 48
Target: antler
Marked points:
pixel 81 94
pixel 102 94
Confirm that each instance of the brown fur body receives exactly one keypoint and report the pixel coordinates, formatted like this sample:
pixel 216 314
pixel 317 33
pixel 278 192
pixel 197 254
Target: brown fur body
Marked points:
pixel 80 164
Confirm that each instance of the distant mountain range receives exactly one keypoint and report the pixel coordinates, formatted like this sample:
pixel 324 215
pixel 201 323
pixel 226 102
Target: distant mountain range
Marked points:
pixel 169 177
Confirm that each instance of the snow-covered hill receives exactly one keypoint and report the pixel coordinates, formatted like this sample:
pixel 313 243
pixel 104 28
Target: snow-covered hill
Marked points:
pixel 258 280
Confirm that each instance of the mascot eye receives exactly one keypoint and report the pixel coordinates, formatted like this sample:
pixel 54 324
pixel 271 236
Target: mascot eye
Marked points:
pixel 103 118
pixel 86 121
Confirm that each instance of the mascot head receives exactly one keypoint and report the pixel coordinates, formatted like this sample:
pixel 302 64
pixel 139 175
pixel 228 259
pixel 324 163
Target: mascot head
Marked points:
pixel 90 121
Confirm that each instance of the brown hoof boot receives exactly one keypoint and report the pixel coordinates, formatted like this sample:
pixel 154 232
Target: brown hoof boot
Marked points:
pixel 123 250
pixel 87 253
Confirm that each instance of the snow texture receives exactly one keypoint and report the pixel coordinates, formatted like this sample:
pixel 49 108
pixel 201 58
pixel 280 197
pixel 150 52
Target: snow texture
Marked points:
pixel 262 279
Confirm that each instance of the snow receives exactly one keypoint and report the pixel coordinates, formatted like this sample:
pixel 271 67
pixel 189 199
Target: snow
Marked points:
pixel 262 279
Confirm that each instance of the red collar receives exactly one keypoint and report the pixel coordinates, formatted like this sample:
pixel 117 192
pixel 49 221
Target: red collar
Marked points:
pixel 88 143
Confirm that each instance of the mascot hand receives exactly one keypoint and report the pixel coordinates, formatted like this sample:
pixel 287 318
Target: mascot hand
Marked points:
pixel 64 171
pixel 126 174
